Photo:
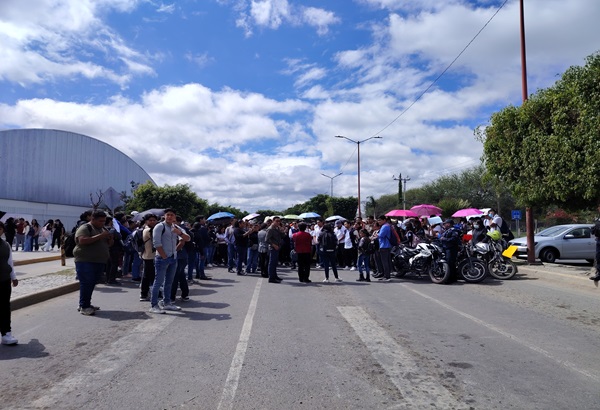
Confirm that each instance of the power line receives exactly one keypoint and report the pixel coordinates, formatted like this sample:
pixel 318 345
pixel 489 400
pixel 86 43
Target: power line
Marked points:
pixel 443 72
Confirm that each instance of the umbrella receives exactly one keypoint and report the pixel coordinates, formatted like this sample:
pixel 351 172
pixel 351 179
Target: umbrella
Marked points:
pixel 426 210
pixel 154 211
pixel 250 217
pixel 309 215
pixel 335 218
pixel 220 215
pixel 290 216
pixel 402 212
pixel 466 212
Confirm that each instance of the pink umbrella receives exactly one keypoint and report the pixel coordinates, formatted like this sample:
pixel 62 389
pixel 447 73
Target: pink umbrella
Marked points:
pixel 466 212
pixel 426 210
pixel 402 212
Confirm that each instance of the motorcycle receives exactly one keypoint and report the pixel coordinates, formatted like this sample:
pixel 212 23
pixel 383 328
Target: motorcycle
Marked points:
pixel 424 259
pixel 499 266
pixel 469 266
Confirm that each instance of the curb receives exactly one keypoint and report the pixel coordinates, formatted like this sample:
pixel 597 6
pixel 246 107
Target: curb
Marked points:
pixel 44 259
pixel 541 271
pixel 42 296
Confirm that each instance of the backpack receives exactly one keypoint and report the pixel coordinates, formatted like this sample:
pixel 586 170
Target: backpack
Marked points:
pixel 329 242
pixel 136 240
pixel 70 243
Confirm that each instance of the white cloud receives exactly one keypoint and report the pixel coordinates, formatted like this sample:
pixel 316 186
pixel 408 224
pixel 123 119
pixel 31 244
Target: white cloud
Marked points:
pixel 46 41
pixel 166 8
pixel 273 13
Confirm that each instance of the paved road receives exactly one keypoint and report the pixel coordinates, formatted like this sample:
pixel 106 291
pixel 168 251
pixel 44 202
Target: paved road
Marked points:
pixel 242 343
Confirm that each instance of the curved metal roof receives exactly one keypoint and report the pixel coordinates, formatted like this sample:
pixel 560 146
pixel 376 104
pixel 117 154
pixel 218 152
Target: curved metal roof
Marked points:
pixel 61 167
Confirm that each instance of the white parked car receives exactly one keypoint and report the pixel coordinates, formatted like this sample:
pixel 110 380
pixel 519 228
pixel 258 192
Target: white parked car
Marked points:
pixel 573 241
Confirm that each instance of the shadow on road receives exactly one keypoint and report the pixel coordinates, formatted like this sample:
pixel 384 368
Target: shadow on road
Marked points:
pixel 34 349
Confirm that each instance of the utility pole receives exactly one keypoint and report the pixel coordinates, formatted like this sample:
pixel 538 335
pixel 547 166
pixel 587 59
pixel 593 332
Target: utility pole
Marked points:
pixel 332 178
pixel 402 188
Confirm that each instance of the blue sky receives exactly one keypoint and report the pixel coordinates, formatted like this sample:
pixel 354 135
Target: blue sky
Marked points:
pixel 242 99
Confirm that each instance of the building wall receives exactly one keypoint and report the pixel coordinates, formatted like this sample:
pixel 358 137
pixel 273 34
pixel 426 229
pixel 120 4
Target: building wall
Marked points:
pixel 50 174
pixel 60 167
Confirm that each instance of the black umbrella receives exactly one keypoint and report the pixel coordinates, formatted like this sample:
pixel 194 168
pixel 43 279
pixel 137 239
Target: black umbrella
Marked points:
pixel 154 211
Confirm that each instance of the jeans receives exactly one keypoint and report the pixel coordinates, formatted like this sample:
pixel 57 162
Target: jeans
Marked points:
pixel 273 261
pixel 133 258
pixel 165 272
pixel 363 260
pixel 200 264
pixel 89 273
pixel 386 261
pixel 21 241
pixel 263 263
pixel 180 279
pixel 231 255
pixel 28 243
pixel 598 256
pixel 252 260
pixel 242 254
pixel 329 259
pixel 209 252
pixel 36 244
pixel 192 263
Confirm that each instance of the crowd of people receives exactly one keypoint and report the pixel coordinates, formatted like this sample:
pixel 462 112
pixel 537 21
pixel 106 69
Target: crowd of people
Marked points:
pixel 26 235
pixel 166 254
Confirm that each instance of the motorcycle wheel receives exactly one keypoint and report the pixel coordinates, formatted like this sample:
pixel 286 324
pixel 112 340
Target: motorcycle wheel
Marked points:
pixel 502 269
pixel 439 272
pixel 472 270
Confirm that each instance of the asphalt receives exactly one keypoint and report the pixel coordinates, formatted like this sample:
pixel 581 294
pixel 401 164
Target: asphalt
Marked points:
pixel 42 275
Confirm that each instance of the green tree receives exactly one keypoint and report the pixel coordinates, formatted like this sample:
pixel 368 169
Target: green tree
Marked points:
pixel 547 151
pixel 179 197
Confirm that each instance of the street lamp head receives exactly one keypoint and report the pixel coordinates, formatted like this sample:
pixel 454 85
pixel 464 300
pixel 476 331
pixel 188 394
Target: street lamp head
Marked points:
pixel 339 136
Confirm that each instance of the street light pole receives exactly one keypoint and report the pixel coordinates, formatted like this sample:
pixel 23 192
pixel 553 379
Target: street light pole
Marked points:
pixel 335 176
pixel 358 167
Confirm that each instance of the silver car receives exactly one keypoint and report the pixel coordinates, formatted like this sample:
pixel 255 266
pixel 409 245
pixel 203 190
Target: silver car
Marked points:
pixel 574 241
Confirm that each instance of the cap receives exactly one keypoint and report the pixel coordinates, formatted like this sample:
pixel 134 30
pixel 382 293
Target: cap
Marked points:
pixel 338 222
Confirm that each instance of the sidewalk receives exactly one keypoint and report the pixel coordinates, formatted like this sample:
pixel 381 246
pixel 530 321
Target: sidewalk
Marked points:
pixel 41 277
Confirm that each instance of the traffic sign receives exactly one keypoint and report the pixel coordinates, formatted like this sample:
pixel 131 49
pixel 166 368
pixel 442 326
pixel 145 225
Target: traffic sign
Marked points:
pixel 516 215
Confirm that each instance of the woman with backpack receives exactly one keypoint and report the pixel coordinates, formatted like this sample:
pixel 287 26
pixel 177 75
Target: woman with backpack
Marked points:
pixel 328 244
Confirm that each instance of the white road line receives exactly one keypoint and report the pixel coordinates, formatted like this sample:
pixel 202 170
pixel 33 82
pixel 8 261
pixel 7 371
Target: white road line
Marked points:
pixel 237 362
pixel 418 389
pixel 108 361
pixel 510 336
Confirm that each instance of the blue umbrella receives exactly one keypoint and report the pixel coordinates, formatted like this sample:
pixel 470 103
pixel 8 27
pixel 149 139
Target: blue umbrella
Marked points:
pixel 220 215
pixel 308 215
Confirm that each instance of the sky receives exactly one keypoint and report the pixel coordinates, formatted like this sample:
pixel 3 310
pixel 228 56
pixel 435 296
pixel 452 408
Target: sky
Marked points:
pixel 242 99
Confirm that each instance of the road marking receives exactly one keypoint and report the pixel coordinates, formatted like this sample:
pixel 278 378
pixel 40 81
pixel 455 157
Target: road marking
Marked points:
pixel 510 336
pixel 418 389
pixel 237 362
pixel 108 361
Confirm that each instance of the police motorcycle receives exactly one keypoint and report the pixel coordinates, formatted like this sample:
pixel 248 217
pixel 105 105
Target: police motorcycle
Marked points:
pixel 426 259
pixel 490 252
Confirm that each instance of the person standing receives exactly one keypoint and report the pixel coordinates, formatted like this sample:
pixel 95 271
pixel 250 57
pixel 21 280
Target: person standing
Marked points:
pixel 274 240
pixel 596 233
pixel 20 234
pixel 340 232
pixel 36 234
pixel 230 240
pixel 148 255
pixel 10 230
pixel 328 244
pixel 263 249
pixel 316 232
pixel 47 235
pixel 57 233
pixel 385 247
pixel 364 256
pixel 252 260
pixel 8 279
pixel 450 242
pixel 164 238
pixel 303 247
pixel 91 254
pixel 241 245
pixel 180 279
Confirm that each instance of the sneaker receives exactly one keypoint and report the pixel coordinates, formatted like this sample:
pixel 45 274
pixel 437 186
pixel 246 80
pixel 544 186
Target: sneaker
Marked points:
pixel 325 280
pixel 156 309
pixel 338 280
pixel 185 299
pixel 144 298
pixel 9 339
pixel 92 306
pixel 387 280
pixel 353 268
pixel 595 278
pixel 190 282
pixel 318 266
pixel 90 311
pixel 171 307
